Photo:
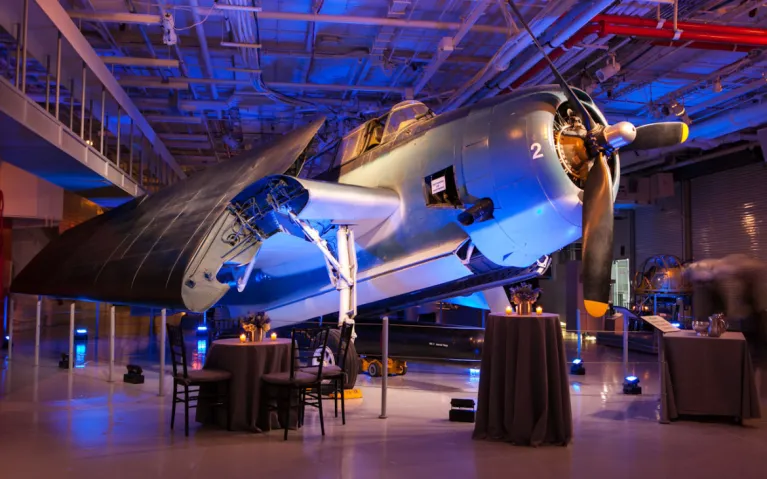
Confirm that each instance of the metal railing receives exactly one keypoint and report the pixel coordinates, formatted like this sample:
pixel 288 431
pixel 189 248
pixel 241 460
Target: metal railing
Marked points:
pixel 67 80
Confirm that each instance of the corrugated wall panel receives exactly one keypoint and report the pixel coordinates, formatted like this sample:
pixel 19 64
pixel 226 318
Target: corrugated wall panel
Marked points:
pixel 658 229
pixel 729 213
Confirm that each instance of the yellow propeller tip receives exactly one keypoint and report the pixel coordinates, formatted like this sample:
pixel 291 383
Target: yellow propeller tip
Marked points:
pixel 685 132
pixel 596 309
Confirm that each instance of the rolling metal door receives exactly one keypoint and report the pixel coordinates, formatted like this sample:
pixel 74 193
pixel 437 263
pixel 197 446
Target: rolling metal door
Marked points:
pixel 729 212
pixel 659 229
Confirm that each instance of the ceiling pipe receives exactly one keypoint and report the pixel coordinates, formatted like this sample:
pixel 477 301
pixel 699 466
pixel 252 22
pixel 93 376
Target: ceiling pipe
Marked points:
pixel 558 43
pixel 510 49
pixel 444 50
pixel 684 26
pixel 708 46
pixel 199 29
pixel 150 19
pixel 727 38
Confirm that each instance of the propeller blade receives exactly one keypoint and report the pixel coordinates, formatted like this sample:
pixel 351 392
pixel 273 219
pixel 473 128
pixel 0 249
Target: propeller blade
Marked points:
pixel 658 135
pixel 597 237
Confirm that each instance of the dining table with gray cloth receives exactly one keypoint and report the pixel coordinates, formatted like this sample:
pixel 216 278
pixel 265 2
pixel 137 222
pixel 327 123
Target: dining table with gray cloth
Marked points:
pixel 524 395
pixel 248 396
pixel 708 376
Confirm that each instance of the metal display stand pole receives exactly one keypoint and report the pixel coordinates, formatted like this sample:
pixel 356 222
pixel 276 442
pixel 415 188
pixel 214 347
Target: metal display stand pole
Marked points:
pixel 37 329
pixel 625 345
pixel 580 338
pixel 385 363
pixel 71 336
pixel 163 325
pixel 111 343
pixel 664 419
pixel 10 331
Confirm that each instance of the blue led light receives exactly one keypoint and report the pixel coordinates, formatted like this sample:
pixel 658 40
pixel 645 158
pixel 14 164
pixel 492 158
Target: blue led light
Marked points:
pixel 577 361
pixel 474 371
pixel 7 338
pixel 202 328
pixel 676 325
pixel 81 331
pixel 632 379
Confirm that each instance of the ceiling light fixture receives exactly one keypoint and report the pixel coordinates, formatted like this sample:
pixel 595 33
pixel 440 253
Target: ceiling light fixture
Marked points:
pixel 609 70
pixel 168 30
pixel 717 85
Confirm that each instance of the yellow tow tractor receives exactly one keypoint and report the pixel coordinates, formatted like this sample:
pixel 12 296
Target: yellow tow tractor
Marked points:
pixel 374 367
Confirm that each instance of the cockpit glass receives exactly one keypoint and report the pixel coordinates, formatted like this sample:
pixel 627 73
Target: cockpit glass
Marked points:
pixel 402 117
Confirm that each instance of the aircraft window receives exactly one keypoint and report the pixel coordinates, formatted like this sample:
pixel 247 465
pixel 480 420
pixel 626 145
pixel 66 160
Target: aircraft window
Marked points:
pixel 362 139
pixel 403 117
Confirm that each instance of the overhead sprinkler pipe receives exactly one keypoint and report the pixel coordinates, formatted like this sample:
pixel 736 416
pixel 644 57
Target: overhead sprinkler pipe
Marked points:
pixel 696 35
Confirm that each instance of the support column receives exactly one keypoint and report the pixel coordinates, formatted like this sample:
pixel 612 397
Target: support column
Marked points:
pixel 385 363
pixel 37 329
pixel 71 336
pixel 111 343
pixel 163 328
pixel 10 330
pixel 687 254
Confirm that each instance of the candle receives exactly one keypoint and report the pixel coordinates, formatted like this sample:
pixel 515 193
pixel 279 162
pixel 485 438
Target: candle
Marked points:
pixel 243 338
pixel 538 310
pixel 508 310
pixel 274 336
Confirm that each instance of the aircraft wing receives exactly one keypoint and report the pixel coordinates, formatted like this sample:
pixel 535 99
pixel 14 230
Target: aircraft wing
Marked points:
pixel 155 250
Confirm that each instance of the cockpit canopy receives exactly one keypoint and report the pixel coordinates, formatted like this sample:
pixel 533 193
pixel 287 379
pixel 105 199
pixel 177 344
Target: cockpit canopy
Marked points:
pixel 381 130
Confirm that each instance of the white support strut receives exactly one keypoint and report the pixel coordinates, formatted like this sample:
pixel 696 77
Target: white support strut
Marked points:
pixel 342 270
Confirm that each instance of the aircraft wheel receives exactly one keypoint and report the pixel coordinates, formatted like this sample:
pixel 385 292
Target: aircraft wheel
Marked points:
pixel 353 360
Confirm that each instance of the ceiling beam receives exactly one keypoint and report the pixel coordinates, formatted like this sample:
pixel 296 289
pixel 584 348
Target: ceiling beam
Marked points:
pixel 184 137
pixel 140 62
pixel 148 19
pixel 186 120
pixel 183 83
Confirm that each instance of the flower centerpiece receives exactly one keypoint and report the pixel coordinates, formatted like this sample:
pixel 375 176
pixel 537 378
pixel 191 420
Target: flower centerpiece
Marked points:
pixel 255 325
pixel 524 296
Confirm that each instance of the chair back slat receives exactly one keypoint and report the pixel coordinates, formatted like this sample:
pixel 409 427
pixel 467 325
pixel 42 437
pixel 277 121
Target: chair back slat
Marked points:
pixel 177 350
pixel 308 348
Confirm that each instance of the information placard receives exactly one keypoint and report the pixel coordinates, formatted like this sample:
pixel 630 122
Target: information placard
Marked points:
pixel 660 323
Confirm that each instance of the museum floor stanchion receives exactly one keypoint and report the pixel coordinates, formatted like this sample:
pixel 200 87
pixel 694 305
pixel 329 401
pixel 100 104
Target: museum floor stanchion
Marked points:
pixel 524 395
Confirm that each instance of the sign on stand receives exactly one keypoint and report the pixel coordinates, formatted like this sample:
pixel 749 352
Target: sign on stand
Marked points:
pixel 661 324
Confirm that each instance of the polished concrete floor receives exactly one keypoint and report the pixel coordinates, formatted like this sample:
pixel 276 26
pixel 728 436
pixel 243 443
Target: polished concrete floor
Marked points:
pixel 60 425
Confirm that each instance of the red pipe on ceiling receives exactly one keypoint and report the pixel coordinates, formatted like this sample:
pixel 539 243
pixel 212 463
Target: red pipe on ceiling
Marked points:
pixel 703 36
pixel 684 36
pixel 686 26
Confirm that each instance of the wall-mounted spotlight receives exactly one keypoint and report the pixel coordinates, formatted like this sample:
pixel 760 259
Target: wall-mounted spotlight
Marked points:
pixel 674 108
pixel 608 71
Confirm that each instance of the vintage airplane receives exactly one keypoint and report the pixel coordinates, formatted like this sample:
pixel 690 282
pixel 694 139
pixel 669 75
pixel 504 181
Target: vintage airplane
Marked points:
pixel 415 202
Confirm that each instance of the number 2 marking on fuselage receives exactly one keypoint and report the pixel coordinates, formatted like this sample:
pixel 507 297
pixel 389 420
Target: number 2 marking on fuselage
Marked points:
pixel 536 149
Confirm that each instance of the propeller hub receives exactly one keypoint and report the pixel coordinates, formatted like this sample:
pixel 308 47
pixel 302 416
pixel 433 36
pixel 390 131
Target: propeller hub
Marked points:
pixel 619 135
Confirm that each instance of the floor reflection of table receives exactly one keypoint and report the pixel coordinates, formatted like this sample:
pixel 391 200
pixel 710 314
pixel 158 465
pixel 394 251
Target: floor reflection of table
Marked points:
pixel 247 362
pixel 709 376
pixel 524 395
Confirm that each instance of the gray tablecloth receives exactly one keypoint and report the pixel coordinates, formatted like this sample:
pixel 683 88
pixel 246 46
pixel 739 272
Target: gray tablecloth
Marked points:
pixel 709 376
pixel 524 395
pixel 247 362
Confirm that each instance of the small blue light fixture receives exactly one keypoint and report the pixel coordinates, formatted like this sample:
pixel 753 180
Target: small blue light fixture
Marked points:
pixel 202 330
pixel 81 334
pixel 577 368
pixel 474 371
pixel 631 385
pixel 676 325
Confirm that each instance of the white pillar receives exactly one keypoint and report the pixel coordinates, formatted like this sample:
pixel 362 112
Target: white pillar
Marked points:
pixel 164 322
pixel 71 336
pixel 37 329
pixel 385 363
pixel 111 343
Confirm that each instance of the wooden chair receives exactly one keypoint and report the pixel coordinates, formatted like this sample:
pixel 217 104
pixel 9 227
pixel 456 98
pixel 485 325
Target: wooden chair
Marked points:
pixel 307 348
pixel 194 378
pixel 336 373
